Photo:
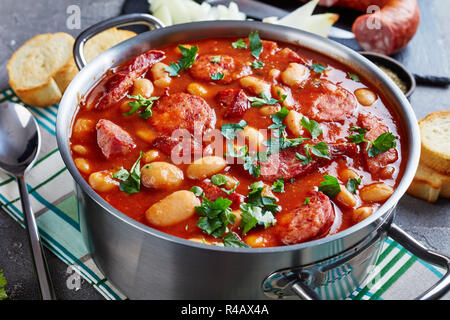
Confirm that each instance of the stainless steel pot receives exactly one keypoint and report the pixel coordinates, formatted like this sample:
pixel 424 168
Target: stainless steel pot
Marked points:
pixel 145 263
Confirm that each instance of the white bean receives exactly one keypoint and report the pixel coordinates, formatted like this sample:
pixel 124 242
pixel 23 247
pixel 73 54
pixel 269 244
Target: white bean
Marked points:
pixel 293 123
pixel 376 192
pixel 366 97
pixel 102 181
pixel 255 84
pixel 205 167
pixel 161 175
pixel 295 74
pixel 161 78
pixel 174 208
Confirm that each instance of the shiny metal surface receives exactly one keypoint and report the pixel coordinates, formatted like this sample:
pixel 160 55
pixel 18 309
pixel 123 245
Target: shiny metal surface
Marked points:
pixel 146 263
pixel 19 148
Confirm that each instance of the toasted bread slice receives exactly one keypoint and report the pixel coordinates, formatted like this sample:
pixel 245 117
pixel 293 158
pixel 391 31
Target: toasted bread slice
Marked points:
pixel 428 184
pixel 41 69
pixel 105 40
pixel 435 134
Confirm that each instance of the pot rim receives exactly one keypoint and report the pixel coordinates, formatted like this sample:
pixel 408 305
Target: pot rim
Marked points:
pixel 323 46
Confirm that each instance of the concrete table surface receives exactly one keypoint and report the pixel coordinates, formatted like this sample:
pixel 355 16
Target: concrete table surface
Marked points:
pixel 22 19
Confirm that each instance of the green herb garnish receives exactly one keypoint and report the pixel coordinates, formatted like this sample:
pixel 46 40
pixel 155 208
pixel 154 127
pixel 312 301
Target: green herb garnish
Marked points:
pixel 278 185
pixel 3 283
pixel 231 240
pixel 354 77
pixel 239 44
pixel 330 186
pixel 307 200
pixel 312 126
pixel 131 181
pixel 217 76
pixel 352 184
pixel 257 64
pixel 383 143
pixel 215 216
pixel 219 180
pixel 263 99
pixel 185 62
pixel 197 191
pixel 230 130
pixel 255 44
pixel 139 103
pixel 215 59
pixel 317 67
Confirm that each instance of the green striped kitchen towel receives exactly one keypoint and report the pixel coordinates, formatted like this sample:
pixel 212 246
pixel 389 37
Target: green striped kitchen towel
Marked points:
pixel 397 275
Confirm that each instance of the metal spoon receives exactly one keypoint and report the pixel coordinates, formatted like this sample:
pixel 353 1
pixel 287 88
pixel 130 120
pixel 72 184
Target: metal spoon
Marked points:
pixel 19 147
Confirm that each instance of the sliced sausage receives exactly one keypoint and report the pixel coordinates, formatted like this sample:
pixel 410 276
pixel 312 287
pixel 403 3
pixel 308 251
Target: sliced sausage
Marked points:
pixel 235 101
pixel 213 192
pixel 122 80
pixel 326 101
pixel 308 220
pixel 387 30
pixel 167 144
pixel 182 111
pixel 112 139
pixel 285 164
pixel 204 68
pixel 375 127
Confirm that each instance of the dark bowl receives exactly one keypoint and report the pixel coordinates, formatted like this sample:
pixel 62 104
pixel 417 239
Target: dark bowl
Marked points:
pixel 396 67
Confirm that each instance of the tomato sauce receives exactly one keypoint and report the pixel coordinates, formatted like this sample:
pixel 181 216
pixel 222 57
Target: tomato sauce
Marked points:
pixel 301 98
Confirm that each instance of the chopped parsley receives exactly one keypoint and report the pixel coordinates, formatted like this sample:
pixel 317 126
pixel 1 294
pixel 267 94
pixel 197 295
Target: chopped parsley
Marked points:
pixel 278 185
pixel 197 191
pixel 185 62
pixel 141 102
pixel 383 143
pixel 354 77
pixel 312 126
pixel 217 76
pixel 215 59
pixel 231 240
pixel 281 141
pixel 251 161
pixel 330 186
pixel 215 216
pixel 3 283
pixel 239 44
pixel 255 44
pixel 317 67
pixel 259 209
pixel 230 130
pixel 219 180
pixel 353 184
pixel 263 99
pixel 307 200
pixel 130 181
pixel 257 64
pixel 319 150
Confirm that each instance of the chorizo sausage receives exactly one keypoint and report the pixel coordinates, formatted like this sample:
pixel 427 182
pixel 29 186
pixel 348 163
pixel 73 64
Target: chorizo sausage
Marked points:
pixel 182 111
pixel 387 30
pixel 122 80
pixel 377 165
pixel 212 193
pixel 327 101
pixel 286 165
pixel 112 139
pixel 208 65
pixel 235 101
pixel 308 220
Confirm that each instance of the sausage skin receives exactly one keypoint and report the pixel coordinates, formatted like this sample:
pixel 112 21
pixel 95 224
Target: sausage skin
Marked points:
pixel 385 31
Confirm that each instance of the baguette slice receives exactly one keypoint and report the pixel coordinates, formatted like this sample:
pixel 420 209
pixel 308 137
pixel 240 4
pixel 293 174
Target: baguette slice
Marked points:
pixel 105 40
pixel 428 184
pixel 41 69
pixel 435 134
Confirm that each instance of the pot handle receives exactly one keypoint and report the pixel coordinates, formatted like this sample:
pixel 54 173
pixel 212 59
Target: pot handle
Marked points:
pixel 304 291
pixel 120 21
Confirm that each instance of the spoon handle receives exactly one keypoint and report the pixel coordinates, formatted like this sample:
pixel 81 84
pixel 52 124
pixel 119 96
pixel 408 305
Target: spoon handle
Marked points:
pixel 41 268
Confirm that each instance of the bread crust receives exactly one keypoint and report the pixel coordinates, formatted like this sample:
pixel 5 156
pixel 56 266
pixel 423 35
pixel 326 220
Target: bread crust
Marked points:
pixel 428 184
pixel 50 90
pixel 438 159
